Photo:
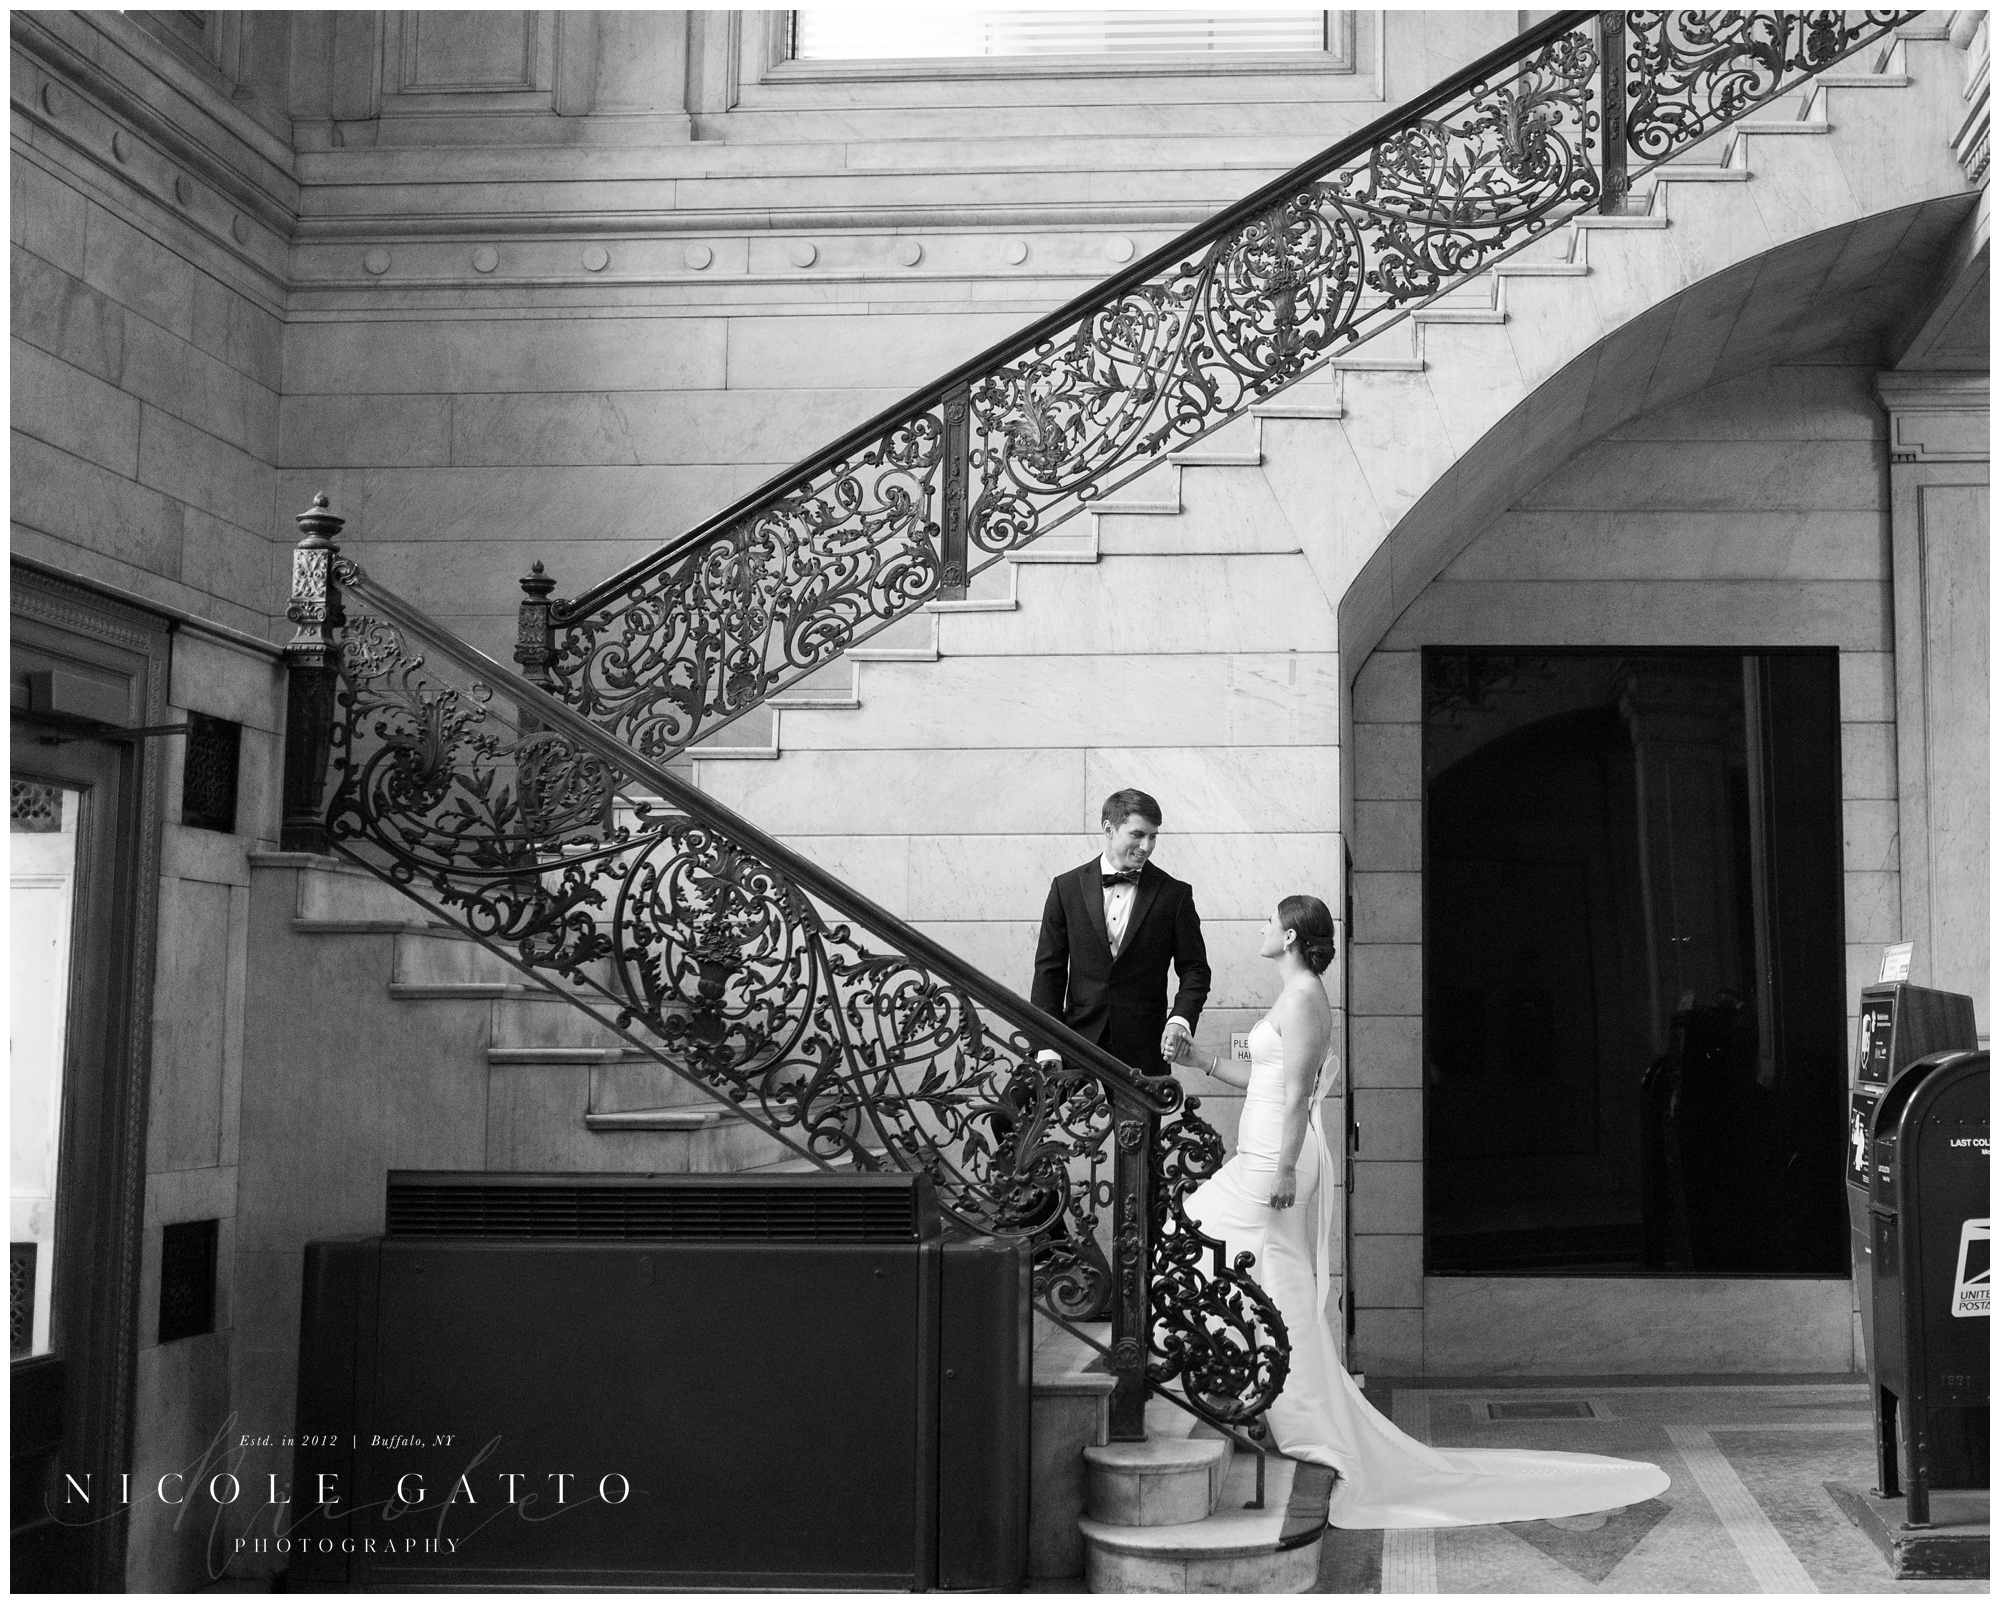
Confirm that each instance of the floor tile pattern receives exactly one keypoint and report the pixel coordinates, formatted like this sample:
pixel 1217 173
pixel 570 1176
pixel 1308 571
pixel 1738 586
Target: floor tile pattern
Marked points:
pixel 1748 1511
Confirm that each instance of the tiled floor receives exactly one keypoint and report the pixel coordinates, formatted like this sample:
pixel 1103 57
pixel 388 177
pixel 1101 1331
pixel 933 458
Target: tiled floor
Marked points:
pixel 1748 1511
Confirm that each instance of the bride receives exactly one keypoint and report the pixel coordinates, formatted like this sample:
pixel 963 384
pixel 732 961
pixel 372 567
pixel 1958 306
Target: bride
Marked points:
pixel 1273 1200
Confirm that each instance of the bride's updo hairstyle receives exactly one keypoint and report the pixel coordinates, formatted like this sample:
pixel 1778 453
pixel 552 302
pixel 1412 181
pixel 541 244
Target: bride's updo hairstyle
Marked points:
pixel 1307 918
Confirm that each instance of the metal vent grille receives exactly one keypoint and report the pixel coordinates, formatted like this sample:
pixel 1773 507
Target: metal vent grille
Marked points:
pixel 879 1209
pixel 21 1299
pixel 208 778
pixel 35 809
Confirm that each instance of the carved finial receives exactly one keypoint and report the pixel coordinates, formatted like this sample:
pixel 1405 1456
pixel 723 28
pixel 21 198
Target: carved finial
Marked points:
pixel 537 584
pixel 319 526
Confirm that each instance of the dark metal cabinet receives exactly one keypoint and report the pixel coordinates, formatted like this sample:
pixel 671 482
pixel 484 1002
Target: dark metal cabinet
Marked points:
pixel 791 1382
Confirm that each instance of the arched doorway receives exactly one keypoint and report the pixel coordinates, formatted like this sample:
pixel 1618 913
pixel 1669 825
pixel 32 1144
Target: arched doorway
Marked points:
pixel 1739 505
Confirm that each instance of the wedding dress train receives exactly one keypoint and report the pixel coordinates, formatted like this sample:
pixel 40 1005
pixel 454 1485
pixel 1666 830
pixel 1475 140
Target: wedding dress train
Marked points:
pixel 1387 1479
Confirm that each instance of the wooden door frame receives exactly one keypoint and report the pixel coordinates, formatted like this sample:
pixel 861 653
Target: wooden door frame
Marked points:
pixel 101 1174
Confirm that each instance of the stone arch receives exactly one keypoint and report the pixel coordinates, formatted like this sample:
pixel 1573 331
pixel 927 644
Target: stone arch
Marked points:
pixel 1775 355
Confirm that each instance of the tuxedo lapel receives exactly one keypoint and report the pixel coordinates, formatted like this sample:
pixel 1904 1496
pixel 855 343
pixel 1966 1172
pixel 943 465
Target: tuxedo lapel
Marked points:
pixel 1143 896
pixel 1090 886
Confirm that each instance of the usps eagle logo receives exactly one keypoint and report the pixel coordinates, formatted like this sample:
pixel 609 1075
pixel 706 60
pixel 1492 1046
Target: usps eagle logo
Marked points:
pixel 1972 1287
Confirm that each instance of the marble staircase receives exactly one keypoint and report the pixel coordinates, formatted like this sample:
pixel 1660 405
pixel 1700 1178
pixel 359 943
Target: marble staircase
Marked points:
pixel 1167 1515
pixel 563 1091
pixel 1405 404
pixel 1181 1513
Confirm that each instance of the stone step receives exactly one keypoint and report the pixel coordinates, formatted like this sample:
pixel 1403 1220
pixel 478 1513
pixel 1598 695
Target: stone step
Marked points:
pixel 577 1142
pixel 1782 125
pixel 551 1036
pixel 447 960
pixel 754 735
pixel 1064 546
pixel 1159 1482
pixel 1229 513
pixel 636 1082
pixel 1234 1550
pixel 1397 348
pixel 1071 1403
pixel 907 640
pixel 990 591
pixel 341 898
pixel 1237 444
pixel 705 1116
pixel 832 686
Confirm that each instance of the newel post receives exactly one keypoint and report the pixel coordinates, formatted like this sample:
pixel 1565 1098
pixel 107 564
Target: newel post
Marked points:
pixel 312 664
pixel 534 641
pixel 952 549
pixel 1137 1133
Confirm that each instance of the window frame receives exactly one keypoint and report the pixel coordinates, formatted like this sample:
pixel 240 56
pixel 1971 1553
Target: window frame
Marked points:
pixel 781 66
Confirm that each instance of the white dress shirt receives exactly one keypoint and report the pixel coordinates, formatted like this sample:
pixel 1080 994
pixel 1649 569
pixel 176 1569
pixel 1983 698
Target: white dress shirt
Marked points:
pixel 1117 905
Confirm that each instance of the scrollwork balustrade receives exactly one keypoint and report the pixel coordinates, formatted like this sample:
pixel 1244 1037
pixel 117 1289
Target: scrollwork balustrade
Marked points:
pixel 728 959
pixel 910 507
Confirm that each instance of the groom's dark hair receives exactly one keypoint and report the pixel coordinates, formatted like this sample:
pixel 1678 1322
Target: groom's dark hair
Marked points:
pixel 1121 805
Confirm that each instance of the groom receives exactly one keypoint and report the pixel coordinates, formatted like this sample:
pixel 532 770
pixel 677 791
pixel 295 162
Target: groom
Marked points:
pixel 1109 931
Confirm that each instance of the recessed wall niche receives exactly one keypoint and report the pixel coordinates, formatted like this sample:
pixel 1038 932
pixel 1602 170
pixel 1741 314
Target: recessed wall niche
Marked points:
pixel 451 61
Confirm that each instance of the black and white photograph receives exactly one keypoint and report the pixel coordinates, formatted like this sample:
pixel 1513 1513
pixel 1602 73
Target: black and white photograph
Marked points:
pixel 1147 799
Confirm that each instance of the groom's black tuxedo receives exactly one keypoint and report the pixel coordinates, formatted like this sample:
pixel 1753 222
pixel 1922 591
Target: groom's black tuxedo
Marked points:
pixel 1120 1003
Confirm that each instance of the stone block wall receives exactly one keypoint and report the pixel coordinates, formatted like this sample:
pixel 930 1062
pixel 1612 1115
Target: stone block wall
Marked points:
pixel 146 362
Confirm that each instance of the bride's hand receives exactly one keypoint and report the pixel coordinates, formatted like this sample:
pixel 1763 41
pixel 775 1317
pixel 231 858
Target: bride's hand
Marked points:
pixel 1285 1189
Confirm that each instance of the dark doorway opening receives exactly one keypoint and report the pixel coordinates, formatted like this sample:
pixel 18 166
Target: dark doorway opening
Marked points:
pixel 1633 972
pixel 82 669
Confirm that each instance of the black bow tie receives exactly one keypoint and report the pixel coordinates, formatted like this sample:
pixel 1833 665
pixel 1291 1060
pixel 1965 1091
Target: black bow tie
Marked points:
pixel 1124 877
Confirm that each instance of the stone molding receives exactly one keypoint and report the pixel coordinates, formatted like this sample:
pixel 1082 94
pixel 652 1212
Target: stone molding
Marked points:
pixel 218 143
pixel 140 616
pixel 83 609
pixel 1936 417
pixel 1972 33
pixel 143 126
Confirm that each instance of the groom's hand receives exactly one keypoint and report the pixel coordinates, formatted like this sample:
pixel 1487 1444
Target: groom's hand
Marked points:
pixel 1173 1037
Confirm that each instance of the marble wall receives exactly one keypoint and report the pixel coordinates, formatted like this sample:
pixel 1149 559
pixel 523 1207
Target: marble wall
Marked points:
pixel 959 788
pixel 1940 496
pixel 1754 514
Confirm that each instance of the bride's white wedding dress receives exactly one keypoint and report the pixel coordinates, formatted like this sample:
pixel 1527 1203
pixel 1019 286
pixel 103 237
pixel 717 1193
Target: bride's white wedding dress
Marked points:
pixel 1387 1479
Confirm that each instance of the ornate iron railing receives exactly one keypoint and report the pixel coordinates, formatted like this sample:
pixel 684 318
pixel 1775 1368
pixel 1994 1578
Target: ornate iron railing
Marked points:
pixel 907 508
pixel 741 966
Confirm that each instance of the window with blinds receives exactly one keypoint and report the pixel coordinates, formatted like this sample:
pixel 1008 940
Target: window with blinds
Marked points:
pixel 883 35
